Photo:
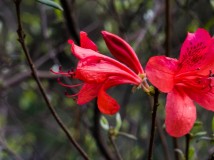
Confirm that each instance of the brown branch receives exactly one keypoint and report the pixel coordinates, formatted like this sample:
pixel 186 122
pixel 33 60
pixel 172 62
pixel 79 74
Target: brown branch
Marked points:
pixel 111 138
pixel 21 39
pixel 98 137
pixel 117 18
pixel 167 27
pixel 163 139
pixel 187 146
pixel 152 132
pixel 175 146
pixel 157 9
pixel 18 78
pixel 70 19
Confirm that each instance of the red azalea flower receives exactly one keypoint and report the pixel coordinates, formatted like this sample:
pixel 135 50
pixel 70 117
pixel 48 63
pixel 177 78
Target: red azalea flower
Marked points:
pixel 185 80
pixel 100 72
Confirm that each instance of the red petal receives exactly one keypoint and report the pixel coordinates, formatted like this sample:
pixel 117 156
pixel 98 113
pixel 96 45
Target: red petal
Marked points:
pixel 86 42
pixel 98 69
pixel 180 113
pixel 160 71
pixel 197 51
pixel 82 53
pixel 204 97
pixel 107 104
pixel 121 50
pixel 88 92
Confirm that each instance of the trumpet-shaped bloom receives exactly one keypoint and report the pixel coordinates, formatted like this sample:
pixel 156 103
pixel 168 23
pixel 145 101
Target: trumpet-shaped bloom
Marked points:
pixel 186 79
pixel 99 72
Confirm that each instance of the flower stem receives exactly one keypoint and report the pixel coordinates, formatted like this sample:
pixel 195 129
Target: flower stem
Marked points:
pixel 21 39
pixel 152 133
pixel 175 146
pixel 187 146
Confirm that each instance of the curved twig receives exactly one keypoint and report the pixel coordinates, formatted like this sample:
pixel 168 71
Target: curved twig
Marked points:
pixel 21 39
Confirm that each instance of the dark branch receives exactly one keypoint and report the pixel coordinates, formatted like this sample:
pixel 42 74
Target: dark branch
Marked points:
pixel 152 133
pixel 70 19
pixel 21 39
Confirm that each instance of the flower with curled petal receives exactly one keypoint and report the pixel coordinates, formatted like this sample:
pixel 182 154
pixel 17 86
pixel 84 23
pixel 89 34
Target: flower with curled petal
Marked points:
pixel 185 80
pixel 99 72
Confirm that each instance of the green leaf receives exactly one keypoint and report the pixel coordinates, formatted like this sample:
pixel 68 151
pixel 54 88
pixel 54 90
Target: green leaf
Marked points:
pixel 104 123
pixel 202 133
pixel 51 4
pixel 118 122
pixel 180 152
pixel 191 153
pixel 205 138
pixel 130 136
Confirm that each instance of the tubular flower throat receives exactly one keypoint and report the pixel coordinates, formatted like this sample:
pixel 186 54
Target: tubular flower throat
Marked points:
pixel 99 72
pixel 186 79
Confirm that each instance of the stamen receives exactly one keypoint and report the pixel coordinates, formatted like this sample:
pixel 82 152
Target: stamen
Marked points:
pixel 71 95
pixel 62 73
pixel 67 85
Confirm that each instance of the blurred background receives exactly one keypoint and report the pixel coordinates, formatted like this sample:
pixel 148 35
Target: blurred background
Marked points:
pixel 28 129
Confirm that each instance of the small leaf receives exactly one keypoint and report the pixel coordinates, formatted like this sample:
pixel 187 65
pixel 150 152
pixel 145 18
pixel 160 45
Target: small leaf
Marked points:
pixel 205 138
pixel 104 123
pixel 202 133
pixel 130 136
pixel 51 4
pixel 180 152
pixel 118 122
pixel 191 153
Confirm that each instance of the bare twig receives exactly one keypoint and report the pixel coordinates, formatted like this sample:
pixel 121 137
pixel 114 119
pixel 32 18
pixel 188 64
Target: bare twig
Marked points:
pixel 163 139
pixel 140 36
pixel 98 137
pixel 167 27
pixel 111 138
pixel 117 18
pixel 21 39
pixel 152 133
pixel 19 77
pixel 187 146
pixel 70 19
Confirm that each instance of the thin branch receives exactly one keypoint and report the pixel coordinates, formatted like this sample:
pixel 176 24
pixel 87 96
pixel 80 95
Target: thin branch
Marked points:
pixel 152 133
pixel 187 146
pixel 70 19
pixel 157 9
pixel 167 27
pixel 117 18
pixel 163 139
pixel 111 138
pixel 21 39
pixel 98 137
pixel 19 77
pixel 175 146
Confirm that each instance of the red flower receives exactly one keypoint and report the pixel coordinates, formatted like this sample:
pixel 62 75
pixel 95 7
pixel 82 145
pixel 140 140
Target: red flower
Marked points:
pixel 100 72
pixel 185 80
